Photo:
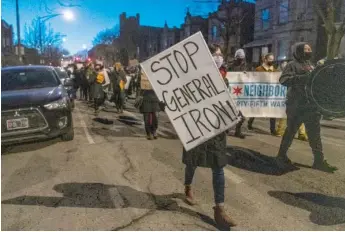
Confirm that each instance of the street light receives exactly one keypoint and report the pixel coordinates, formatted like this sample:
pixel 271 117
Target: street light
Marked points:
pixel 68 15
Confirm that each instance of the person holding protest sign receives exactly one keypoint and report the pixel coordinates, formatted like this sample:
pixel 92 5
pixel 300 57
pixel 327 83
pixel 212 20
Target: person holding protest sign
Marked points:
pixel 267 66
pixel 299 109
pixel 210 154
pixel 239 65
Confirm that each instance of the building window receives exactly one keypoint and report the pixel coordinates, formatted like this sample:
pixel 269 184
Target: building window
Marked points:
pixel 214 32
pixel 265 18
pixel 284 11
pixel 283 49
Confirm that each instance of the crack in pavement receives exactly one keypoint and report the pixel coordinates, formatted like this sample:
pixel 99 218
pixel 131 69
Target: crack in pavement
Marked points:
pixel 128 161
pixel 150 212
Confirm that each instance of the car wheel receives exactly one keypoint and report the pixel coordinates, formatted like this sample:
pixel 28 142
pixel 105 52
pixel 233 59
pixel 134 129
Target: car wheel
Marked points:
pixel 69 136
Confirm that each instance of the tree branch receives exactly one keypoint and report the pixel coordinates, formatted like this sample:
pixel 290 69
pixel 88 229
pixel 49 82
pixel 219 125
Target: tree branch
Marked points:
pixel 319 11
pixel 67 5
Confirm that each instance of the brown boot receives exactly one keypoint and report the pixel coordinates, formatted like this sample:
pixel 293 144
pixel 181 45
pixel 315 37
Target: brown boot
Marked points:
pixel 189 195
pixel 221 218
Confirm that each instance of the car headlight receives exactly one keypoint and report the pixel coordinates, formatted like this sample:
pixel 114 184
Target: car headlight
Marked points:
pixel 59 104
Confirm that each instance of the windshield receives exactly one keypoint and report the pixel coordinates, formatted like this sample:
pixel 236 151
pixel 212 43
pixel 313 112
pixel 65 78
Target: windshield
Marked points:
pixel 61 73
pixel 27 79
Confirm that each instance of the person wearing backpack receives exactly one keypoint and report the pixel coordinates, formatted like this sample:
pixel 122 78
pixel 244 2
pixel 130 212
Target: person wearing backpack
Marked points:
pixel 119 81
pixel 98 80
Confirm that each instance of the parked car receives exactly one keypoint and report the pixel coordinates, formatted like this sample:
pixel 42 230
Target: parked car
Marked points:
pixel 67 82
pixel 34 105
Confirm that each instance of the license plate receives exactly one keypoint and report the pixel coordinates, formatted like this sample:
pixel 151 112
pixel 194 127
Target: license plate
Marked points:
pixel 18 123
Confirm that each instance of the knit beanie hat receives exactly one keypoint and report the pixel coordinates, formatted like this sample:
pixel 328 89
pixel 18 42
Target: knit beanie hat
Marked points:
pixel 240 54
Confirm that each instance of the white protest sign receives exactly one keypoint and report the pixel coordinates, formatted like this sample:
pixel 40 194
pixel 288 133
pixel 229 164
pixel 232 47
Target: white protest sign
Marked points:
pixel 187 79
pixel 258 94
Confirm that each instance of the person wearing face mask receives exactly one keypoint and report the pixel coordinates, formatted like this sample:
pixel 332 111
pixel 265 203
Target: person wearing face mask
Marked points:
pixel 299 110
pixel 239 65
pixel 219 60
pixel 210 154
pixel 267 66
pixel 302 135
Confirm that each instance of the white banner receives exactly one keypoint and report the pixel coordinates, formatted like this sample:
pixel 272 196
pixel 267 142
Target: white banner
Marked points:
pixel 258 94
pixel 186 78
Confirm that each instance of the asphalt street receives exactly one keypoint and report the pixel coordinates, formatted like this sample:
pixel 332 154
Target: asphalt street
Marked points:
pixel 111 178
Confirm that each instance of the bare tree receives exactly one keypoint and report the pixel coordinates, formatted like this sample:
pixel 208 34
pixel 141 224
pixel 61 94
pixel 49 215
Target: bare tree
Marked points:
pixel 327 11
pixel 230 19
pixel 107 36
pixel 46 4
pixel 50 38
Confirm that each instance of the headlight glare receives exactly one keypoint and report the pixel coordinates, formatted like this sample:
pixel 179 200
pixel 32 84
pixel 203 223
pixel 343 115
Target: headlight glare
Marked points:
pixel 59 104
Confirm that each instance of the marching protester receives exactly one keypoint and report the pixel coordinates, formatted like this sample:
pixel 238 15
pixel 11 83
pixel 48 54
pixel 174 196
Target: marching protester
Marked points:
pixel 128 85
pixel 106 83
pixel 210 154
pixel 302 135
pixel 119 81
pixel 90 75
pixel 99 86
pixel 149 107
pixel 239 65
pixel 84 84
pixel 76 80
pixel 97 79
pixel 267 66
pixel 138 81
pixel 299 110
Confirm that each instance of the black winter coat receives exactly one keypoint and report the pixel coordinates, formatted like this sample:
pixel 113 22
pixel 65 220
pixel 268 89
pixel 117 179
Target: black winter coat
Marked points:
pixel 150 102
pixel 211 154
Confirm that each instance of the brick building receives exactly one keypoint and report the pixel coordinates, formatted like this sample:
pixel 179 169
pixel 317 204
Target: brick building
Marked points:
pixel 169 37
pixel 281 23
pixel 193 24
pixel 6 38
pixel 8 56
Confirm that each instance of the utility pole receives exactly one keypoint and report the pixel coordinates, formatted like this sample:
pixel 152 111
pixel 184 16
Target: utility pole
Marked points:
pixel 18 30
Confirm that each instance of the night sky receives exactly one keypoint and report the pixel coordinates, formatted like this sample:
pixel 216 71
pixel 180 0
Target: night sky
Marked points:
pixel 96 15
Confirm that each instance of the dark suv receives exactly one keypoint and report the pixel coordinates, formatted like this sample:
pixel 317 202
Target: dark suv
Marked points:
pixel 34 105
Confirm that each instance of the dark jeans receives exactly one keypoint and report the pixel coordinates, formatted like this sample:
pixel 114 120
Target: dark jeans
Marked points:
pixel 312 126
pixel 151 123
pixel 272 124
pixel 119 99
pixel 97 103
pixel 217 179
pixel 84 93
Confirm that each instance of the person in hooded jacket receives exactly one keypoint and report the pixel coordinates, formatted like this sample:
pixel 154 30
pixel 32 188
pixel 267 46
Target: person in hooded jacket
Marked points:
pixel 302 134
pixel 210 154
pixel 299 110
pixel 239 65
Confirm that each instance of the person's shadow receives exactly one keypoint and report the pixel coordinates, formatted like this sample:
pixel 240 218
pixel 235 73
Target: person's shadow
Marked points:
pixel 324 210
pixel 254 161
pixel 98 195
